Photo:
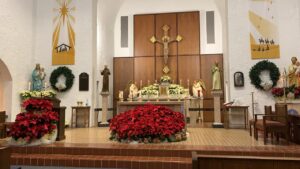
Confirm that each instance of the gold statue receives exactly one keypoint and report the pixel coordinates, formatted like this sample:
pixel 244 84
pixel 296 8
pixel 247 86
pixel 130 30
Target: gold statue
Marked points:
pixel 292 77
pixel 165 41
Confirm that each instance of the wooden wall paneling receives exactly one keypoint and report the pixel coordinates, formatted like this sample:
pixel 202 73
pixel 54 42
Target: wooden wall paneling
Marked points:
pixel 169 19
pixel 189 29
pixel 188 69
pixel 123 73
pixel 144 69
pixel 207 61
pixel 144 29
pixel 172 65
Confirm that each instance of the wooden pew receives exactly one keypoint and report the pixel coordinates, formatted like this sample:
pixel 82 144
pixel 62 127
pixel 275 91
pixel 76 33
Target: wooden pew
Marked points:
pixel 243 162
pixel 5 153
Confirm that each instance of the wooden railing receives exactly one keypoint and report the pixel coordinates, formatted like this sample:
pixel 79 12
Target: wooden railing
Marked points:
pixel 243 162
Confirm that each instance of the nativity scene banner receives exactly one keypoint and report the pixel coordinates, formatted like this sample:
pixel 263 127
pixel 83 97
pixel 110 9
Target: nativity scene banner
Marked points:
pixel 264 29
pixel 63 39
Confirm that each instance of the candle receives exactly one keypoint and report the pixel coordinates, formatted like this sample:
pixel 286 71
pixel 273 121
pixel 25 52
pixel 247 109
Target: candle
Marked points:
pixel 180 82
pixel 188 83
pixel 148 82
pixel 29 86
pixel 141 84
pixel 45 85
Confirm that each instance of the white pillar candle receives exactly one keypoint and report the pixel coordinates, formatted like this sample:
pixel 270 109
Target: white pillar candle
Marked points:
pixel 29 86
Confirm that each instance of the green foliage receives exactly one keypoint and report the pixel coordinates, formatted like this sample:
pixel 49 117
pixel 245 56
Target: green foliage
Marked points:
pixel 63 70
pixel 262 66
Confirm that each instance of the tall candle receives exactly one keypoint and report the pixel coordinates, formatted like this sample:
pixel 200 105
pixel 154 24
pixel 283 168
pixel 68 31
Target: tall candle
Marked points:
pixel 148 82
pixel 29 86
pixel 141 84
pixel 188 83
pixel 180 82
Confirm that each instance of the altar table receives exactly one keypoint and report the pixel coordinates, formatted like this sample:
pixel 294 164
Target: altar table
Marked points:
pixel 177 106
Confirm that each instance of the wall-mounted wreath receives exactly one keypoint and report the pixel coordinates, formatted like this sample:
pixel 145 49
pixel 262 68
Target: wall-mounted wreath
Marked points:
pixel 256 71
pixel 61 79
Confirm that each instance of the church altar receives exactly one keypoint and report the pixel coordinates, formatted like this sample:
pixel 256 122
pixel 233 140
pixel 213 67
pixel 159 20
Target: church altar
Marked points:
pixel 178 106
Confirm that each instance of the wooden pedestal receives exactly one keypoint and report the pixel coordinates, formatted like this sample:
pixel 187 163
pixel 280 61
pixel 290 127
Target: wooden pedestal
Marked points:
pixel 61 123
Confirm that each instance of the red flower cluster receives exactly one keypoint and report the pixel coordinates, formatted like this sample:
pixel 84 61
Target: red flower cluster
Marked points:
pixel 147 121
pixel 277 92
pixel 297 92
pixel 38 121
pixel 33 125
pixel 37 105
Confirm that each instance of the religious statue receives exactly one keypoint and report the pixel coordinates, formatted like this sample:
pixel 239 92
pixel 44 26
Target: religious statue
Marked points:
pixel 198 88
pixel 38 75
pixel 165 41
pixel 216 77
pixel 105 73
pixel 133 91
pixel 292 76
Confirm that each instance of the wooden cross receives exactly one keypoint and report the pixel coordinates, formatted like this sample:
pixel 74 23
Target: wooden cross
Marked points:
pixel 165 41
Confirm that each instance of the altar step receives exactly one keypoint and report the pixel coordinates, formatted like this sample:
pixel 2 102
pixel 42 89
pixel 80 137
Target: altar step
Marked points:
pixel 98 161
pixel 103 156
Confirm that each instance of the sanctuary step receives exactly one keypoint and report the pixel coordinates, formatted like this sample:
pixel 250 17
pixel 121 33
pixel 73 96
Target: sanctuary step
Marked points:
pixel 141 156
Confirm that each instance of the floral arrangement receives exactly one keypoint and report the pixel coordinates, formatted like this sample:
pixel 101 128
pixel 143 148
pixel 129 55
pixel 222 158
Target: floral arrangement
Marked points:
pixel 175 89
pixel 38 121
pixel 277 92
pixel 30 126
pixel 34 104
pixel 165 79
pixel 28 94
pixel 148 124
pixel 152 90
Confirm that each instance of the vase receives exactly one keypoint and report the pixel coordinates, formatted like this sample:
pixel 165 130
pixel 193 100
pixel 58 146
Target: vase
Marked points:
pixel 290 96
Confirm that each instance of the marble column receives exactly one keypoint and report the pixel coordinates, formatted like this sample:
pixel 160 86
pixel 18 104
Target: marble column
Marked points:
pixel 104 109
pixel 217 108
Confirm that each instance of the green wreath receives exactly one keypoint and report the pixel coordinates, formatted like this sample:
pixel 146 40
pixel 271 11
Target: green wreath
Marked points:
pixel 62 71
pixel 262 66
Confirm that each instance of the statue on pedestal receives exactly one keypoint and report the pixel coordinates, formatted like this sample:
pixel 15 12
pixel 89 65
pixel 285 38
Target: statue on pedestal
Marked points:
pixel 105 73
pixel 38 75
pixel 216 77
pixel 292 75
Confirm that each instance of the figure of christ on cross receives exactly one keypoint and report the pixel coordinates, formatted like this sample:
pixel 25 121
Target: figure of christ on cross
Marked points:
pixel 165 41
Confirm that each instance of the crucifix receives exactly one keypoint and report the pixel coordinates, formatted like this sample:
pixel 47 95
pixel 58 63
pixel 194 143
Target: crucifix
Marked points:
pixel 165 41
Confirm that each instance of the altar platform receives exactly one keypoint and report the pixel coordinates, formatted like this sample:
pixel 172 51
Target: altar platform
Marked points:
pixel 91 148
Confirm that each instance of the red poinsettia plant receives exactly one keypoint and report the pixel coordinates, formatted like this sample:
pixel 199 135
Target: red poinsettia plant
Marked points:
pixel 277 92
pixel 149 121
pixel 36 122
pixel 34 104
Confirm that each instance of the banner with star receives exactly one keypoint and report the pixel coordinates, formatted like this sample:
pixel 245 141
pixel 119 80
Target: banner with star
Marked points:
pixel 264 29
pixel 63 38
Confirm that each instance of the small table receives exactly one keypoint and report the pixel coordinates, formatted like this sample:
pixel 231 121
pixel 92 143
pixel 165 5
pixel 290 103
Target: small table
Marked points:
pixel 232 111
pixel 79 114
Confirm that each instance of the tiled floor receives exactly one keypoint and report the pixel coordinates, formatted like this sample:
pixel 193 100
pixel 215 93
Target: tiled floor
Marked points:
pixel 196 136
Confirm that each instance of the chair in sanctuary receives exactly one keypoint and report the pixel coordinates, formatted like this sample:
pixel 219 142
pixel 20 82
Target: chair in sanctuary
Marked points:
pixel 277 123
pixel 268 111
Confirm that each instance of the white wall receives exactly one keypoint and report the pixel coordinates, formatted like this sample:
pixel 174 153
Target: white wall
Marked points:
pixel 239 46
pixel 16 46
pixel 85 33
pixel 132 7
pixel 106 16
